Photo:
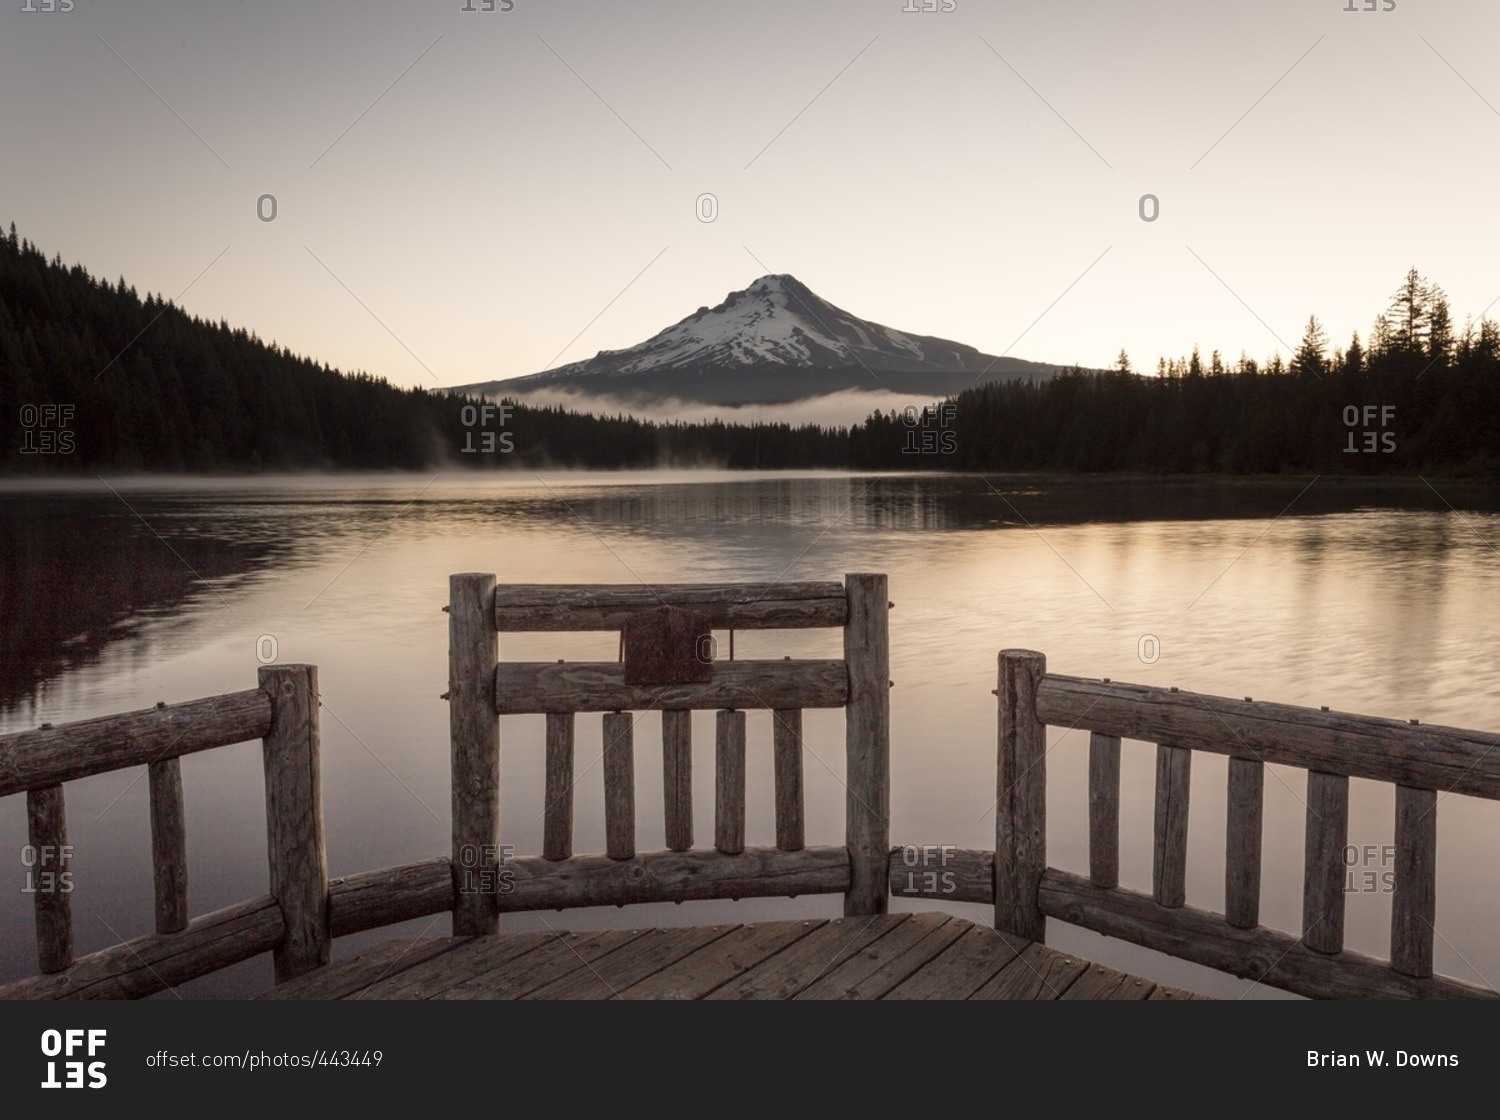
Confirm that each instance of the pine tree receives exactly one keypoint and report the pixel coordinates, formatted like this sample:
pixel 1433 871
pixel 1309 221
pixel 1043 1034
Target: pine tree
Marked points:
pixel 1354 357
pixel 1308 361
pixel 1411 311
pixel 1440 332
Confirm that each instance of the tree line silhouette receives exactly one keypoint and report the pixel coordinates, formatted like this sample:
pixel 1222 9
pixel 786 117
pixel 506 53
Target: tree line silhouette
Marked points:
pixel 93 377
pixel 1417 397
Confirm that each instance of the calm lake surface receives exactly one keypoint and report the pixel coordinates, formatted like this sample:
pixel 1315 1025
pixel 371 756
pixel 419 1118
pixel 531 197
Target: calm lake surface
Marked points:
pixel 1378 599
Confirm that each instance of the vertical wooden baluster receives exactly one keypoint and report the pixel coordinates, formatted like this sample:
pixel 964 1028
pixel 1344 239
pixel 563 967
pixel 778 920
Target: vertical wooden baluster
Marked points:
pixel 1021 794
pixel 294 818
pixel 48 877
pixel 787 735
pixel 867 738
pixel 1414 906
pixel 1104 810
pixel 474 732
pixel 729 782
pixel 557 826
pixel 1323 864
pixel 1242 841
pixel 619 785
pixel 1169 862
pixel 168 844
pixel 677 777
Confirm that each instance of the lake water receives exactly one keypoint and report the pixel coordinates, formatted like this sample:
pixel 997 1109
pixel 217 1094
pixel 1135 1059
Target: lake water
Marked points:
pixel 1367 598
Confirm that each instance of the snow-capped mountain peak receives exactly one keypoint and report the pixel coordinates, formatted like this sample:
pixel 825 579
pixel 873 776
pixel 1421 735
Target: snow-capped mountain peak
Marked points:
pixel 773 339
pixel 777 320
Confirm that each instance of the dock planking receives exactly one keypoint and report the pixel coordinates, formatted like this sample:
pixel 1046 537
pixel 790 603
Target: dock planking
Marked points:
pixel 926 955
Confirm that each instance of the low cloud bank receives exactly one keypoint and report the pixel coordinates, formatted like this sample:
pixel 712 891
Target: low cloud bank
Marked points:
pixel 835 410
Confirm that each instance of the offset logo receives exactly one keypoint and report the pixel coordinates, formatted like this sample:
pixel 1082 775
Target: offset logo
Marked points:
pixel 74 1072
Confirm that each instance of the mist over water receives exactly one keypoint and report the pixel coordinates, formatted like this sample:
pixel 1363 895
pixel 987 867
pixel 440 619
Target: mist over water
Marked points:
pixel 1372 599
pixel 832 410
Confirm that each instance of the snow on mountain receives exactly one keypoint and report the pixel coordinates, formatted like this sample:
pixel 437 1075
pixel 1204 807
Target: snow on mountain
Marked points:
pixel 752 344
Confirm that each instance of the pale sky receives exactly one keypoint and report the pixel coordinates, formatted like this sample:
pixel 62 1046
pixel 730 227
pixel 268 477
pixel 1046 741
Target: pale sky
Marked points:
pixel 462 196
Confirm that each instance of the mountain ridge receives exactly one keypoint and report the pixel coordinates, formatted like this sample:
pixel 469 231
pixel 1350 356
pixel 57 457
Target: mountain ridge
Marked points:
pixel 774 341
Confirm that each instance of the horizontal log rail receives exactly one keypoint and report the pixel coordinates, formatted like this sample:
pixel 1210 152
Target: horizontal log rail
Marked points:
pixel 1446 759
pixel 1420 761
pixel 942 873
pixel 667 876
pixel 740 606
pixel 534 688
pixel 47 756
pixel 159 961
pixel 373 899
pixel 291 922
pixel 1280 960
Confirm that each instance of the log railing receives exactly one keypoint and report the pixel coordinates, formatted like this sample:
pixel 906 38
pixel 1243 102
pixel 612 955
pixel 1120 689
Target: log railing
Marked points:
pixel 291 922
pixel 1422 762
pixel 297 921
pixel 482 688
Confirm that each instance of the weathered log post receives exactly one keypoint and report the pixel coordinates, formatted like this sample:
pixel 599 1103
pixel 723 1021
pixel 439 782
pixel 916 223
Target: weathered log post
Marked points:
pixel 1021 797
pixel 677 777
pixel 474 732
pixel 557 830
pixel 791 834
pixel 294 818
pixel 729 781
pixel 1414 906
pixel 1324 869
pixel 1170 829
pixel 1242 842
pixel 168 844
pixel 619 785
pixel 47 833
pixel 1104 810
pixel 867 803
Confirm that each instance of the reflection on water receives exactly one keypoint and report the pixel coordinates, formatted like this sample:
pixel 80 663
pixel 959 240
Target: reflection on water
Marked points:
pixel 1369 598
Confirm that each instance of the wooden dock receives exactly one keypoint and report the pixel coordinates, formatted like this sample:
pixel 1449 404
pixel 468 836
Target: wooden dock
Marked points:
pixel 882 956
pixel 668 664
